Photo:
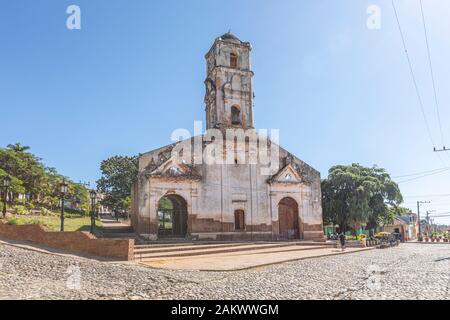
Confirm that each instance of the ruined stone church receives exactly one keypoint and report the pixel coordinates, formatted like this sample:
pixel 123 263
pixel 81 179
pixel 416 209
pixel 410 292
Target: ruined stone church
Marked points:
pixel 226 201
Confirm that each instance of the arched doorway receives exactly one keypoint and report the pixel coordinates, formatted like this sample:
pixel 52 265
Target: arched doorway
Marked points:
pixel 172 216
pixel 288 219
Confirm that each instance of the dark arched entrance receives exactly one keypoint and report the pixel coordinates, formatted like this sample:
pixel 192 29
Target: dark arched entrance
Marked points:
pixel 172 216
pixel 288 219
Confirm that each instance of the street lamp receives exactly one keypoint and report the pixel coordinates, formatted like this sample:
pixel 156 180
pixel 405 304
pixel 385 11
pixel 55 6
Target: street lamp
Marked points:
pixel 63 191
pixel 93 195
pixel 6 184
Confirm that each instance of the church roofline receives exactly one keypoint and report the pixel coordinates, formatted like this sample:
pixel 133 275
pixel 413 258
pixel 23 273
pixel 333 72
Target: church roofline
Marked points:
pixel 169 146
pixel 229 36
pixel 297 158
pixel 220 39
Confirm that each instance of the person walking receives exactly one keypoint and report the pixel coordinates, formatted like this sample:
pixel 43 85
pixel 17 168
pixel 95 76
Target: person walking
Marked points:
pixel 342 241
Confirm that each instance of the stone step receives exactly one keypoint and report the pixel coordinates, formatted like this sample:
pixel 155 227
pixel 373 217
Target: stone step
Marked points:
pixel 168 241
pixel 140 255
pixel 252 251
pixel 157 244
pixel 204 243
pixel 173 248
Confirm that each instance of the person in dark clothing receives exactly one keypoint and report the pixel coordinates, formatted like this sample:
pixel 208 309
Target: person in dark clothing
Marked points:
pixel 342 241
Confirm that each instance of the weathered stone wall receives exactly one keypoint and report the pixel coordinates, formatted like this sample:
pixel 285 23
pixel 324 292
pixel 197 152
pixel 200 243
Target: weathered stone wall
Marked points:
pixel 76 241
pixel 134 206
pixel 228 86
pixel 310 198
pixel 221 189
pixel 226 188
pixel 213 192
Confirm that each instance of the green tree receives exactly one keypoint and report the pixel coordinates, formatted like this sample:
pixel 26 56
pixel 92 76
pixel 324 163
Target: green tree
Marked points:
pixel 354 194
pixel 16 184
pixel 118 175
pixel 17 147
pixel 387 217
pixel 30 176
pixel 24 166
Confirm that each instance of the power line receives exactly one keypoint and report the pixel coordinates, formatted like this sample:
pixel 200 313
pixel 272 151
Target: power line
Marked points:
pixel 412 75
pixel 441 150
pixel 432 73
pixel 429 195
pixel 439 214
pixel 419 98
pixel 435 203
pixel 419 173
pixel 422 176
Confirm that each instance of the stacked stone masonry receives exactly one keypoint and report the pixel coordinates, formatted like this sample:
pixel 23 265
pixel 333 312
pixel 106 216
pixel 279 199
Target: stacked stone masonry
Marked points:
pixel 76 241
pixel 283 205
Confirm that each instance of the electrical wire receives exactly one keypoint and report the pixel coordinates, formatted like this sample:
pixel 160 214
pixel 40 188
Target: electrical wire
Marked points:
pixel 412 74
pixel 419 98
pixel 432 73
pixel 419 173
pixel 429 195
pixel 420 177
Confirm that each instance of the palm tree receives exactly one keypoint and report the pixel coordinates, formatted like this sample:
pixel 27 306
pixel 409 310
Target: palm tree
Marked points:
pixel 17 147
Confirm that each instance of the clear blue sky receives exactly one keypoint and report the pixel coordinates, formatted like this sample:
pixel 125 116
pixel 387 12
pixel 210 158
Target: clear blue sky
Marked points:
pixel 338 92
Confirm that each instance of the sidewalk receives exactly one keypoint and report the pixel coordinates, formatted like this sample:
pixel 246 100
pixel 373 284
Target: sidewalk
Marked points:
pixel 111 228
pixel 108 221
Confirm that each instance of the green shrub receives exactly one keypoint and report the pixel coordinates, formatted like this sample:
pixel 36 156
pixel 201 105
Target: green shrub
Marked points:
pixel 74 211
pixel 20 201
pixel 34 221
pixel 20 210
pixel 30 205
pixel 13 221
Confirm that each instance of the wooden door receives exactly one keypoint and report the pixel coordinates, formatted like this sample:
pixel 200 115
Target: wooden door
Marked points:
pixel 288 219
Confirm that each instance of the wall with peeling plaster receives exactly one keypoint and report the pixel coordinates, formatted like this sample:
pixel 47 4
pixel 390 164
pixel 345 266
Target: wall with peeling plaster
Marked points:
pixel 214 192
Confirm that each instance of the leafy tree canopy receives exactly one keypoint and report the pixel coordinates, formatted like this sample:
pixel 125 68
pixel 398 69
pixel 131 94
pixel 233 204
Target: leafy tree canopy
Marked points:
pixel 31 177
pixel 118 175
pixel 353 194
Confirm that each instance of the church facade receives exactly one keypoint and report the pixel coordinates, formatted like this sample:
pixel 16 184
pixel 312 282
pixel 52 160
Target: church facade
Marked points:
pixel 180 194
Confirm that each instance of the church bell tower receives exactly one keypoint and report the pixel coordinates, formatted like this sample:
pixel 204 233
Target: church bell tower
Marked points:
pixel 229 90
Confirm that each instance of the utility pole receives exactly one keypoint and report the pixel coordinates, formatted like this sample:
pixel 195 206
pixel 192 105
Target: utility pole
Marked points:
pixel 418 213
pixel 440 150
pixel 428 220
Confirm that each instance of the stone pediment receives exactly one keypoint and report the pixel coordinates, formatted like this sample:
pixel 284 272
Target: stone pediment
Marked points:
pixel 286 175
pixel 170 168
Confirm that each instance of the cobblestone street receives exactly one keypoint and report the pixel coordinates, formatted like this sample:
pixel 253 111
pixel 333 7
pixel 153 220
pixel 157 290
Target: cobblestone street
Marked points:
pixel 410 271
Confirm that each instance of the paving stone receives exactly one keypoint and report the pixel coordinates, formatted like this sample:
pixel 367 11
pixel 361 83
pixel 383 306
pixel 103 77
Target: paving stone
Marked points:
pixel 410 271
